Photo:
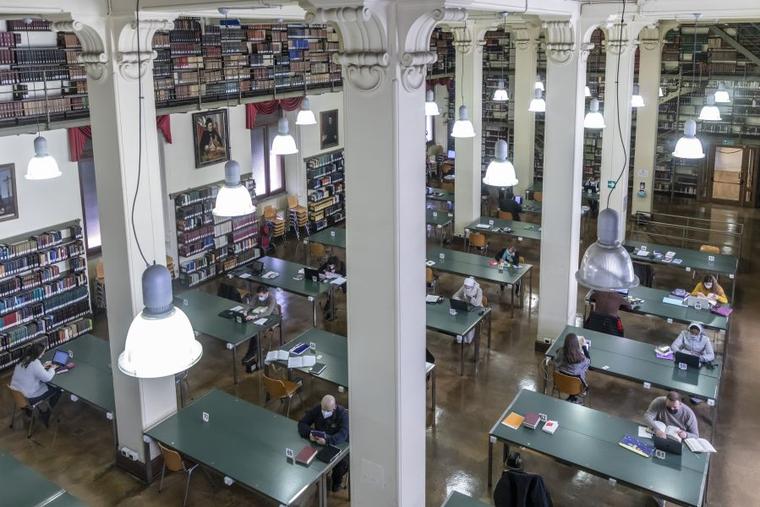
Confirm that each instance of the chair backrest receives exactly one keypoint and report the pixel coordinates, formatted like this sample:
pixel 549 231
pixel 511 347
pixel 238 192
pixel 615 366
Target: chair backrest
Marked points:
pixel 172 459
pixel 292 201
pixel 477 239
pixel 317 249
pixel 567 383
pixel 485 301
pixel 19 399
pixel 270 212
pixel 521 260
pixel 100 271
pixel 505 215
pixel 429 275
pixel 447 187
pixel 538 196
pixel 710 249
pixel 274 387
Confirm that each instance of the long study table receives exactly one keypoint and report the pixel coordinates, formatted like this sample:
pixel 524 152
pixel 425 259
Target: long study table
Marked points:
pixel 510 228
pixel 439 319
pixel 440 220
pixel 332 236
pixel 246 444
pixel 23 486
pixel 587 439
pixel 653 305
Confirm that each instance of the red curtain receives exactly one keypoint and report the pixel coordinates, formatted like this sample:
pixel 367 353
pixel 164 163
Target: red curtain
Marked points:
pixel 78 136
pixel 269 107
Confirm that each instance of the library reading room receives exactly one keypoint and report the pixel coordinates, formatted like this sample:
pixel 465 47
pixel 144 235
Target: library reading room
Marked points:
pixel 565 193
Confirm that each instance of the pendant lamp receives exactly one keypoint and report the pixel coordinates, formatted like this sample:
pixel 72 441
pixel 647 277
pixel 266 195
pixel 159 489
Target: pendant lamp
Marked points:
pixel 431 107
pixel 306 115
pixel 500 171
pixel 463 126
pixel 689 146
pixel 586 91
pixel 606 265
pixel 538 104
pixel 710 111
pixel 283 143
pixel 500 94
pixel 636 99
pixel 721 95
pixel 233 199
pixel 593 119
pixel 659 92
pixel 41 166
pixel 539 84
pixel 160 341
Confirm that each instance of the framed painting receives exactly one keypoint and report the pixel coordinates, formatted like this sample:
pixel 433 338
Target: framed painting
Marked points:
pixel 8 202
pixel 211 137
pixel 328 129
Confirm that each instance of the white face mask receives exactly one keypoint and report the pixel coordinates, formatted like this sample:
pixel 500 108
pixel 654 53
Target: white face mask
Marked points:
pixel 327 414
pixel 708 286
pixel 262 298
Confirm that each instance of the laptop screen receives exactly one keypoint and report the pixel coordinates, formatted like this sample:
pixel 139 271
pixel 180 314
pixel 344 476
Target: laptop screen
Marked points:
pixel 451 154
pixel 61 357
pixel 518 199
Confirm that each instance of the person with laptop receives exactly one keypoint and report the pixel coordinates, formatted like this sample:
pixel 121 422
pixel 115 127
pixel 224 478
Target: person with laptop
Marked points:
pixel 30 377
pixel 605 317
pixel 508 204
pixel 471 293
pixel 264 305
pixel 332 268
pixel 574 359
pixel 327 424
pixel 711 289
pixel 667 411
pixel 694 341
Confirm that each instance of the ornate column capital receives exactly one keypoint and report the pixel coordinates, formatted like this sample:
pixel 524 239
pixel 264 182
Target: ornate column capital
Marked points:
pixel 135 46
pixel 618 40
pixel 93 56
pixel 560 41
pixel 649 38
pixel 526 36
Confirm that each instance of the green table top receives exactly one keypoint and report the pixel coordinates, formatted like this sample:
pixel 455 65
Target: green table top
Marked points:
pixel 519 229
pixel 478 266
pixel 436 194
pixel 21 485
pixel 91 379
pixel 694 259
pixel 203 310
pixel 288 280
pixel 439 319
pixel 588 439
pixel 531 206
pixel 439 218
pixel 653 305
pixel 334 351
pixel 332 236
pixel 457 499
pixel 636 361
pixel 244 442
pixel 538 186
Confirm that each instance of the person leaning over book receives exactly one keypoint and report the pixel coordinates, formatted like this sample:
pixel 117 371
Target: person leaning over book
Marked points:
pixel 471 293
pixel 332 419
pixel 667 411
pixel 331 268
pixel 30 377
pixel 263 305
pixel 573 359
pixel 711 289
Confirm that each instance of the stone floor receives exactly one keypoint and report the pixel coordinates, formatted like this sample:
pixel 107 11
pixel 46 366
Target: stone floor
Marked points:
pixel 77 453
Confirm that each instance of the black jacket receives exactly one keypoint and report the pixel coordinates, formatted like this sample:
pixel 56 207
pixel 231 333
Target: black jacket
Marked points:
pixel 515 256
pixel 509 205
pixel 336 426
pixel 518 489
pixel 340 268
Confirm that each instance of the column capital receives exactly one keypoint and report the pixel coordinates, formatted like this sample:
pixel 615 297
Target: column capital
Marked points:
pixel 135 46
pixel 560 41
pixel 650 38
pixel 526 36
pixel 472 37
pixel 93 56
pixel 622 37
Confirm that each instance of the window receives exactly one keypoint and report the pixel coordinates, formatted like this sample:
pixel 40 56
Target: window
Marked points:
pixel 268 169
pixel 89 199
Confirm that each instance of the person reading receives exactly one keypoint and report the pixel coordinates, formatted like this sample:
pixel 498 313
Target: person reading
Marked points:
pixel 667 411
pixel 327 424
pixel 711 289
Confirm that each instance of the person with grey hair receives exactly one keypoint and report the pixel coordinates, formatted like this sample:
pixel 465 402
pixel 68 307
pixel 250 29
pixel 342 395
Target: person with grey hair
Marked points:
pixel 327 424
pixel 471 293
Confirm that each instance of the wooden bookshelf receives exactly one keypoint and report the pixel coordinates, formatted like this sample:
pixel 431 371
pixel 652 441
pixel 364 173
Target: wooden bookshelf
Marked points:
pixel 208 246
pixel 496 122
pixel 442 43
pixel 326 189
pixel 44 290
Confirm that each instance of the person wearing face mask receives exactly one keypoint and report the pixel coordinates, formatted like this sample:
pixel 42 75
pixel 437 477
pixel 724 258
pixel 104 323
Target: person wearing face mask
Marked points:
pixel 331 419
pixel 695 342
pixel 471 293
pixel 667 411
pixel 263 305
pixel 710 288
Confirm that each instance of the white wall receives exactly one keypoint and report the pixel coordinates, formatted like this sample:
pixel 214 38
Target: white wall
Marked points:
pixel 41 203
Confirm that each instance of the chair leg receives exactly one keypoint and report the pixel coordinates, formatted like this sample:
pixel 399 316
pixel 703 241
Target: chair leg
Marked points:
pixel 187 485
pixel 13 416
pixel 287 410
pixel 31 423
pixel 161 482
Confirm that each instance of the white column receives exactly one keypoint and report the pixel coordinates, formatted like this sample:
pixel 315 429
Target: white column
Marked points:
pixel 384 95
pixel 616 140
pixel 526 47
pixel 113 63
pixel 650 53
pixel 468 42
pixel 563 172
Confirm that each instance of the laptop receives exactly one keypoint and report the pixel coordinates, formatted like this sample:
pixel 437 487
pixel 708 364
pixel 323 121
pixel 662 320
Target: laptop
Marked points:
pixel 700 301
pixel 690 360
pixel 327 453
pixel 311 274
pixel 519 199
pixel 451 154
pixel 460 306
pixel 667 445
pixel 61 358
pixel 257 268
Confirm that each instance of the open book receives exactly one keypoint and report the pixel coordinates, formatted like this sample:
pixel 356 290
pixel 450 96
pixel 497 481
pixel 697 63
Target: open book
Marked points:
pixel 301 361
pixel 699 445
pixel 276 355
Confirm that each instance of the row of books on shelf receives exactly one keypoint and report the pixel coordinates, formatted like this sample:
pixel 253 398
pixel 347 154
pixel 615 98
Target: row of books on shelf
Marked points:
pixel 33 56
pixel 40 107
pixel 9 39
pixel 39 241
pixel 49 307
pixel 13 347
pixel 15 299
pixel 52 256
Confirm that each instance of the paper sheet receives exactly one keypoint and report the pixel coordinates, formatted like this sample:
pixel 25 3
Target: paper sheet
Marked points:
pixel 644 432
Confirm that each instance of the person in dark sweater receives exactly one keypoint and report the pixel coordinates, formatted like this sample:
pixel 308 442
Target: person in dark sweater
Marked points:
pixel 604 318
pixel 507 203
pixel 516 488
pixel 332 419
pixel 574 359
pixel 330 269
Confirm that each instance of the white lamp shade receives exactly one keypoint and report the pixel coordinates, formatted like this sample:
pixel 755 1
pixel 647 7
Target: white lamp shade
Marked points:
pixel 500 171
pixel 42 166
pixel 306 117
pixel 606 265
pixel 637 101
pixel 539 84
pixel 159 346
pixel 721 95
pixel 431 109
pixel 688 146
pixel 463 126
pixel 593 119
pixel 284 145
pixel 233 202
pixel 659 92
pixel 538 104
pixel 500 94
pixel 586 91
pixel 709 113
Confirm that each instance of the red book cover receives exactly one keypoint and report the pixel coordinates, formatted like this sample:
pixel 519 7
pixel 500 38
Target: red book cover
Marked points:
pixel 306 455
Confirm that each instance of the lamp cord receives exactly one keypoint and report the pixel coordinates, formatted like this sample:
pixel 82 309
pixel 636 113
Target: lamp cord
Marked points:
pixel 617 110
pixel 139 129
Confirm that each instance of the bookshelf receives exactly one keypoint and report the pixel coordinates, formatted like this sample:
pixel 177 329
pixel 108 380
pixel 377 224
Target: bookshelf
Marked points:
pixel 208 246
pixel 496 123
pixel 44 290
pixel 538 144
pixel 442 43
pixel 326 189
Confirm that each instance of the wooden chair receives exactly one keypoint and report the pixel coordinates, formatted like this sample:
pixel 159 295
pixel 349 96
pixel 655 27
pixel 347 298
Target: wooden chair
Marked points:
pixel 568 384
pixel 478 240
pixel 431 280
pixel 269 333
pixel 711 249
pixel 447 186
pixel 23 407
pixel 281 390
pixel 538 196
pixel 297 216
pixel 174 463
pixel 277 223
pixel 505 215
pixel 317 251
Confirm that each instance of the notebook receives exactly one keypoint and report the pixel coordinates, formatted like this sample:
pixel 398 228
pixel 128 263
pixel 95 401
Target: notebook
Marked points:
pixel 722 310
pixel 636 445
pixel 306 455
pixel 513 420
pixel 699 445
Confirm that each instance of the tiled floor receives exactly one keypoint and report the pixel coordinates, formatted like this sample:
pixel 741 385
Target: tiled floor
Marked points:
pixel 77 453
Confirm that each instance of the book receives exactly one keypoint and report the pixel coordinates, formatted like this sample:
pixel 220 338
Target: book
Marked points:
pixel 432 298
pixel 550 427
pixel 276 355
pixel 634 444
pixel 306 455
pixel 699 445
pixel 302 362
pixel 513 420
pixel 531 420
